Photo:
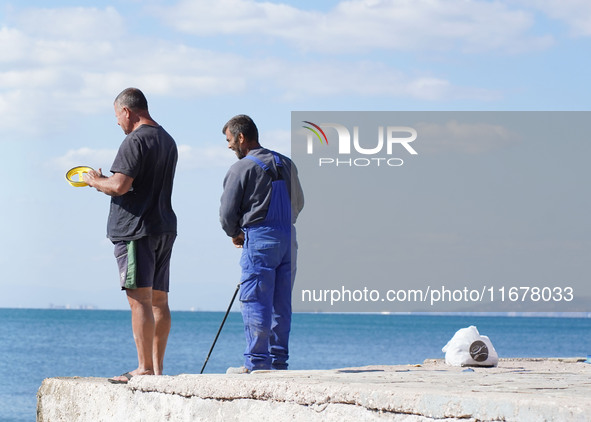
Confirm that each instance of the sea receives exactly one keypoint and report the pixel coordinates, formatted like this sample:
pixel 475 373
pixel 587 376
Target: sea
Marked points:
pixel 42 343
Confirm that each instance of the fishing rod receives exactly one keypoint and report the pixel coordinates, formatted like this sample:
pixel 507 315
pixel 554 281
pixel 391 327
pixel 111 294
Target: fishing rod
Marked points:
pixel 221 326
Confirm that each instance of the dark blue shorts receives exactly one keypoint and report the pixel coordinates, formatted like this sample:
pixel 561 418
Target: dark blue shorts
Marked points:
pixel 145 262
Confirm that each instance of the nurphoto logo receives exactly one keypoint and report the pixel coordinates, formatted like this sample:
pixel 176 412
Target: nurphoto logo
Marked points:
pixel 316 133
pixel 373 153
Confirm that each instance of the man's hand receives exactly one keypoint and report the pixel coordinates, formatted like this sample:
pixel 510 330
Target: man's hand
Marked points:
pixel 238 240
pixel 91 176
pixel 116 185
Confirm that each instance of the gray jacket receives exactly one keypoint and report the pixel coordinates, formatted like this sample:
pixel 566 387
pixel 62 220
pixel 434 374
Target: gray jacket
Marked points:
pixel 247 191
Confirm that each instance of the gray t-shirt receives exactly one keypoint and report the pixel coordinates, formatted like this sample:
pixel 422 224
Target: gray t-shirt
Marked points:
pixel 149 155
pixel 247 191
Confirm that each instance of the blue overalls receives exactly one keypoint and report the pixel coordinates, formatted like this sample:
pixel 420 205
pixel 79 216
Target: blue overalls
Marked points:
pixel 267 278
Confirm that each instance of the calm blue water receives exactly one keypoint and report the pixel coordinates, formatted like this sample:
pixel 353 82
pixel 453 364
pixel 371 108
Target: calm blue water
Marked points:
pixel 36 344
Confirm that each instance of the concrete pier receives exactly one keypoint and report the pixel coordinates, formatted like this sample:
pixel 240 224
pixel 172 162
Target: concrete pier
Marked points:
pixel 516 390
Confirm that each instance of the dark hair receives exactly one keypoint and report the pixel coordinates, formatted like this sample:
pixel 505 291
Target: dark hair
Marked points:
pixel 133 99
pixel 242 124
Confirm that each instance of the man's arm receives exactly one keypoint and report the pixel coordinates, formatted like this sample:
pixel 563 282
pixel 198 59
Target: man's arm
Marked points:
pixel 230 207
pixel 116 185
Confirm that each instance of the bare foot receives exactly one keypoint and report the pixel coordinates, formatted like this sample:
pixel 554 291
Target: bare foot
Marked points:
pixel 124 378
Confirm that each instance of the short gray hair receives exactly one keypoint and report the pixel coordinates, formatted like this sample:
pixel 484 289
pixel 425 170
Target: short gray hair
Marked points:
pixel 242 124
pixel 133 99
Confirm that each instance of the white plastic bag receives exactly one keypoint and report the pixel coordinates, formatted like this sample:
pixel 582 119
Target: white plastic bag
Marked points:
pixel 468 348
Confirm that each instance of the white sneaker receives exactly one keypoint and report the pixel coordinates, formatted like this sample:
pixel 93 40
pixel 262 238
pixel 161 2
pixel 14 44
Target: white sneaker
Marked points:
pixel 239 370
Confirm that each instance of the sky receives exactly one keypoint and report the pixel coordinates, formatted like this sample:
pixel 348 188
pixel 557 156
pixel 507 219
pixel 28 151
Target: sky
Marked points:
pixel 199 63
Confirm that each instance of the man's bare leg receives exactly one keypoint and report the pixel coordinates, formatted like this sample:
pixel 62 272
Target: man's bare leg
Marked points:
pixel 162 320
pixel 142 324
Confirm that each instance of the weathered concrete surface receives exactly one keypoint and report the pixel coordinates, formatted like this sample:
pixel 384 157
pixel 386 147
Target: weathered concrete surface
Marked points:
pixel 516 390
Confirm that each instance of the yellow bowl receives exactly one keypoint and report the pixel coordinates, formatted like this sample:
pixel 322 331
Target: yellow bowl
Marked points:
pixel 80 170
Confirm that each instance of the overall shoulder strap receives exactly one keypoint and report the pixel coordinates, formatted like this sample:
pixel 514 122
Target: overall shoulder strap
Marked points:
pixel 278 162
pixel 266 168
pixel 259 162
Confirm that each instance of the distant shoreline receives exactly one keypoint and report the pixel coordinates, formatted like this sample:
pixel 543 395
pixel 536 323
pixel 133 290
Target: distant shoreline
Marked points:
pixel 476 314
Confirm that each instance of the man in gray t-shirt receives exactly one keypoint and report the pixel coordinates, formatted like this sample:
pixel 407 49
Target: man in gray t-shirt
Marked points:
pixel 149 156
pixel 142 225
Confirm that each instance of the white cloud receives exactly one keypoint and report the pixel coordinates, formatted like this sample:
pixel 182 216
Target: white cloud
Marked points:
pixel 76 23
pixel 191 157
pixel 360 25
pixel 14 45
pixel 362 79
pixel 76 62
pixel 84 157
pixel 53 73
pixel 219 156
pixel 575 13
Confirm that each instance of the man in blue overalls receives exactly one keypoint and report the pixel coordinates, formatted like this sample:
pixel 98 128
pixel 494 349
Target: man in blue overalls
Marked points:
pixel 261 201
